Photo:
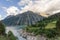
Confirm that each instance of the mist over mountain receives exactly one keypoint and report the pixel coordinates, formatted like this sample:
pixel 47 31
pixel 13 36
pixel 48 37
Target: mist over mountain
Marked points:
pixel 26 18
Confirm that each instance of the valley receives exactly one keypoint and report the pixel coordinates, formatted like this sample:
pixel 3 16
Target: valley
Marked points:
pixel 32 26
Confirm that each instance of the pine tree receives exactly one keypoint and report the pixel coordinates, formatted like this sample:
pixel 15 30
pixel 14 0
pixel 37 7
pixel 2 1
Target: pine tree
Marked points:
pixel 11 36
pixel 2 28
pixel 58 24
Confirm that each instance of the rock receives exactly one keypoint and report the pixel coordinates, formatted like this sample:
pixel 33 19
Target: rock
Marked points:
pixel 30 36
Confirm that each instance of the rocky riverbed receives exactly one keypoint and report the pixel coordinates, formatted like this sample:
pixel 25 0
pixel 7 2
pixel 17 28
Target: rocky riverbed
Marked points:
pixel 15 32
pixel 31 36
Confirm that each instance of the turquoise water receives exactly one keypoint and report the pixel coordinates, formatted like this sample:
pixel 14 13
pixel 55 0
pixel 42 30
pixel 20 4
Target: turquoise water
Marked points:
pixel 15 30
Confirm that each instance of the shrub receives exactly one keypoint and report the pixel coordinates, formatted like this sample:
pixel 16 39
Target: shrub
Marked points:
pixel 11 36
pixel 2 29
pixel 51 33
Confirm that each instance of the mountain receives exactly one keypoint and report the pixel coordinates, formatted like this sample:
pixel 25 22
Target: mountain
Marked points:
pixel 55 17
pixel 26 18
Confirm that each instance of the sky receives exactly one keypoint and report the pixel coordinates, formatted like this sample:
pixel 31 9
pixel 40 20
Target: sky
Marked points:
pixel 14 7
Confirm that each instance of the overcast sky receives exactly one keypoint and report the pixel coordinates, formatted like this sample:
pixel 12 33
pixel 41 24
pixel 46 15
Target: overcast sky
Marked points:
pixel 14 7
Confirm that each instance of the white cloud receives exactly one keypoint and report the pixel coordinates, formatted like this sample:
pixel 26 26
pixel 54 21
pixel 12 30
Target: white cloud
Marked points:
pixel 47 6
pixel 40 5
pixel 0 17
pixel 36 5
pixel 11 10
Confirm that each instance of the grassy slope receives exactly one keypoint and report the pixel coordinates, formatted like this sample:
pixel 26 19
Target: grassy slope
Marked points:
pixel 51 25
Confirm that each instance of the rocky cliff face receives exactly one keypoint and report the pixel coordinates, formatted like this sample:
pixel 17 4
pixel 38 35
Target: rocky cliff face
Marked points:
pixel 26 18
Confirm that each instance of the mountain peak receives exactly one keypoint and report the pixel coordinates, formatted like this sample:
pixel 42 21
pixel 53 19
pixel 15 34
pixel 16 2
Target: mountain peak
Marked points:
pixel 26 18
pixel 28 12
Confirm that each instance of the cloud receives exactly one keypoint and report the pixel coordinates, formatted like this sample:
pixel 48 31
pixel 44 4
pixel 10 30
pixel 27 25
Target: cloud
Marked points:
pixel 36 5
pixel 40 5
pixel 47 6
pixel 54 7
pixel 11 10
pixel 0 17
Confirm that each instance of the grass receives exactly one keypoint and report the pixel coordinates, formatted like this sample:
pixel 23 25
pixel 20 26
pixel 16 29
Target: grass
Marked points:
pixel 3 38
pixel 51 25
pixel 32 29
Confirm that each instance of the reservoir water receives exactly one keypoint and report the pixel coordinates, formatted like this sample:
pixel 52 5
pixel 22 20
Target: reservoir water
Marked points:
pixel 15 30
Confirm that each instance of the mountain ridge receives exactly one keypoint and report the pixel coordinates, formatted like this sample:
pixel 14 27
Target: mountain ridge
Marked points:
pixel 26 18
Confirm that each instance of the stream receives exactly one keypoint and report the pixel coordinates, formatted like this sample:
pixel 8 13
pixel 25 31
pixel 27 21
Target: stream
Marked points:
pixel 15 30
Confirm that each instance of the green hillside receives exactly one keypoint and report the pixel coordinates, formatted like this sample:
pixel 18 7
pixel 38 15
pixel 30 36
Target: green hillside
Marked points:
pixel 51 25
pixel 46 27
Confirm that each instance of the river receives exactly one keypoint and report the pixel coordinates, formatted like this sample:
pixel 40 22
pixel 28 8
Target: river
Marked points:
pixel 15 30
